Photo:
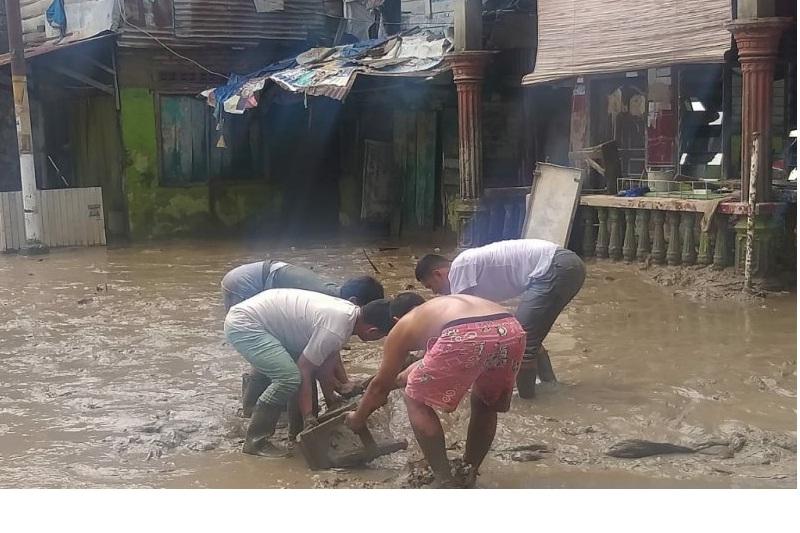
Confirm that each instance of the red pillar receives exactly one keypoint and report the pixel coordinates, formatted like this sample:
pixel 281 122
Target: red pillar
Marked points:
pixel 468 74
pixel 757 41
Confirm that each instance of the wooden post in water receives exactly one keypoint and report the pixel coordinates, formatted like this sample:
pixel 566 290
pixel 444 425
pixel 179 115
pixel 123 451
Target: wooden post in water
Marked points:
pixel 751 213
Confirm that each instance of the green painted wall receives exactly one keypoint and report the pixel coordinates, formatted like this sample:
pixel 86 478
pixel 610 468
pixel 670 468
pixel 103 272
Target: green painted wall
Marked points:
pixel 156 211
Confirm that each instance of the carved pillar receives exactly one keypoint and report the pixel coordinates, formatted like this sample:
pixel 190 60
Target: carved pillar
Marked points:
pixel 659 246
pixel 757 41
pixel 588 231
pixel 614 244
pixel 629 243
pixel 643 224
pixel 602 233
pixel 704 247
pixel 688 254
pixel 721 243
pixel 674 247
pixel 468 71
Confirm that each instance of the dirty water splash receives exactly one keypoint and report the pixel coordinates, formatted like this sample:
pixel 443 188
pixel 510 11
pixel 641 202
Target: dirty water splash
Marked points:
pixel 114 373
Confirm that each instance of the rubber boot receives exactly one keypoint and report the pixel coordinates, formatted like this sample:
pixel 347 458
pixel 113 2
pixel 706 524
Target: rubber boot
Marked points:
pixel 253 385
pixel 262 426
pixel 526 379
pixel 543 366
pixel 295 419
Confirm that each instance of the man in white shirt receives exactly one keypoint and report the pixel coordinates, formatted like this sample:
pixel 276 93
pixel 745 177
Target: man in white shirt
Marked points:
pixel 294 336
pixel 245 281
pixel 545 275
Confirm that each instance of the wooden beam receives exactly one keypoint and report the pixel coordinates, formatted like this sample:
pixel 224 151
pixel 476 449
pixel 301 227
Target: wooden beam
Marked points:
pixel 83 78
pixel 100 65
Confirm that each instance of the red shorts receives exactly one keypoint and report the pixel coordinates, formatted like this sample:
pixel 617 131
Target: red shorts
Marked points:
pixel 483 353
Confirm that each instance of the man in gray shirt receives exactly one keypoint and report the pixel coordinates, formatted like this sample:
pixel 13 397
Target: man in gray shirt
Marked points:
pixel 246 281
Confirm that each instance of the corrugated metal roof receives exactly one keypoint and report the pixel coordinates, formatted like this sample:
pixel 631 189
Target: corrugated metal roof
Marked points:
pixel 46 48
pixel 238 19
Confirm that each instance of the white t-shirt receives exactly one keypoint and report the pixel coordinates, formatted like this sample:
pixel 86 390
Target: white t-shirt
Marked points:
pixel 306 323
pixel 501 270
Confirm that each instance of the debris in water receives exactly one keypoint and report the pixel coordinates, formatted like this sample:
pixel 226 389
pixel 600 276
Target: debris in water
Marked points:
pixel 370 261
pixel 84 301
pixel 637 448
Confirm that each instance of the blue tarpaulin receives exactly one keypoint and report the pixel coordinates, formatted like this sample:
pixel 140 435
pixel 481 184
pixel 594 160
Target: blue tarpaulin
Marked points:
pixel 56 16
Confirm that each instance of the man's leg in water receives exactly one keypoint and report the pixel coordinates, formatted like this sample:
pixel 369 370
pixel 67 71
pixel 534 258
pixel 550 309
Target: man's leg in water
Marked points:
pixel 480 435
pixel 430 436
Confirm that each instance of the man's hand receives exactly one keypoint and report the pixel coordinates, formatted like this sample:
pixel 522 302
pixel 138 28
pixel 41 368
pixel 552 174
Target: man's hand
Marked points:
pixel 349 389
pixel 354 422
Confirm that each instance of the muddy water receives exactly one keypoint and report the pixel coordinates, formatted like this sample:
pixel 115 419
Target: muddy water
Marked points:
pixel 114 373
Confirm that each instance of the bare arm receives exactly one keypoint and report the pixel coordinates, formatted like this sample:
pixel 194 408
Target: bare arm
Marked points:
pixel 307 370
pixel 328 382
pixel 395 351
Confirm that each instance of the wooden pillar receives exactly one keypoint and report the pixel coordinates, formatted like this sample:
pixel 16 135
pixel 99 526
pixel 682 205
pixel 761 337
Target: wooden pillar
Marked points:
pixel 614 244
pixel 468 71
pixel 757 41
pixel 602 232
pixel 629 243
pixel 588 244
pixel 659 245
pixel 643 242
pixel 674 246
pixel 688 253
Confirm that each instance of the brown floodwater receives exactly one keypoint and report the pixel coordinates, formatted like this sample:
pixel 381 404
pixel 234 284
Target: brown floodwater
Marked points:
pixel 114 373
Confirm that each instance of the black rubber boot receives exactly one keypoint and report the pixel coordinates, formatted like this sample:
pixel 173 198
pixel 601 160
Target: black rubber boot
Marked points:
pixel 253 385
pixel 543 366
pixel 295 419
pixel 526 379
pixel 262 426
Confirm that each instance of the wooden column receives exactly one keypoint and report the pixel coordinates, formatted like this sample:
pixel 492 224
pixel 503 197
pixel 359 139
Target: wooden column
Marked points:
pixel 614 244
pixel 674 247
pixel 757 41
pixel 643 226
pixel 468 71
pixel 659 245
pixel 602 232
pixel 629 243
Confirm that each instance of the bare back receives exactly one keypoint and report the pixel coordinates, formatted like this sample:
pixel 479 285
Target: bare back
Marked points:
pixel 428 320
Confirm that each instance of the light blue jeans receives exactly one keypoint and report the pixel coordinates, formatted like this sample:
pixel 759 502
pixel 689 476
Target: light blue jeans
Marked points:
pixel 269 357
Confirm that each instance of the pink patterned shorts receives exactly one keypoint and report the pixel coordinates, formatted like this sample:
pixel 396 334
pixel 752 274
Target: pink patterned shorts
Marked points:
pixel 482 353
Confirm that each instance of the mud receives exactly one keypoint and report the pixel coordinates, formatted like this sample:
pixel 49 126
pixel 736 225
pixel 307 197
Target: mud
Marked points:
pixel 703 283
pixel 115 373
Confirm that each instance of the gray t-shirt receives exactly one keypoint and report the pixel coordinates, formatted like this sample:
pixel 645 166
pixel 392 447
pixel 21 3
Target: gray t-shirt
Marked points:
pixel 306 323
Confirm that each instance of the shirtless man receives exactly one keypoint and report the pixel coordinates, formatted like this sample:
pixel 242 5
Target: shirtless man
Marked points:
pixel 245 281
pixel 470 343
pixel 545 276
pixel 292 336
